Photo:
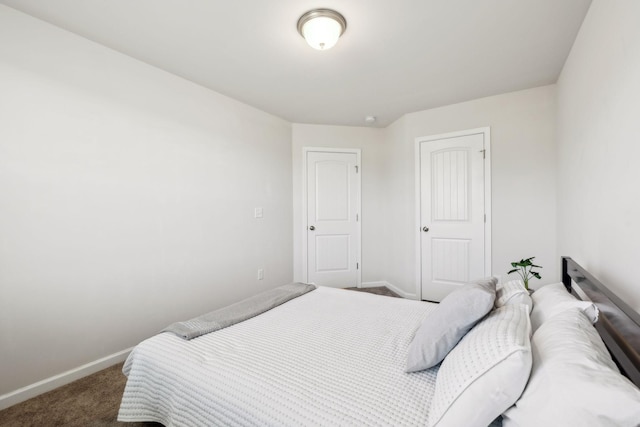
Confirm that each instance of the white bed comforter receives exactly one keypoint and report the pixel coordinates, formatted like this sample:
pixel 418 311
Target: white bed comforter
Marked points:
pixel 330 357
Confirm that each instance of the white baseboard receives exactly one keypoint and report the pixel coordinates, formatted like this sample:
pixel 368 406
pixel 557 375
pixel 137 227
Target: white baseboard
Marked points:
pixel 373 284
pixel 48 384
pixel 391 287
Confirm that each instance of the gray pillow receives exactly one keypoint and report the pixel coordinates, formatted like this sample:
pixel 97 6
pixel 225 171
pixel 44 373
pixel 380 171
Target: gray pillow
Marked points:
pixel 450 321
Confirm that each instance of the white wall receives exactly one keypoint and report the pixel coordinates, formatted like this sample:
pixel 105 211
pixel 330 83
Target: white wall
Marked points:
pixel 523 157
pixel 599 147
pixel 398 175
pixel 126 200
pixel 523 179
pixel 370 141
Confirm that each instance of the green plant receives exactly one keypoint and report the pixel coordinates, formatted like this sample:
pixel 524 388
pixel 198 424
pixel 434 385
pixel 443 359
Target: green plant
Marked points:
pixel 524 268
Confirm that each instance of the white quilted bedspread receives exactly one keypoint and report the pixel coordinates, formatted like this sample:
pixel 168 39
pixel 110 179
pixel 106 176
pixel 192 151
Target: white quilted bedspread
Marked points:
pixel 330 357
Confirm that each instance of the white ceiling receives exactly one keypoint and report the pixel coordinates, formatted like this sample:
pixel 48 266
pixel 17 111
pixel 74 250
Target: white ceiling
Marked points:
pixel 396 57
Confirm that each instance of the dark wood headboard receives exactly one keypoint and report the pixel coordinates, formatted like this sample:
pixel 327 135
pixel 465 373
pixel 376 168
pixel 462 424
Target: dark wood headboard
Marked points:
pixel 618 324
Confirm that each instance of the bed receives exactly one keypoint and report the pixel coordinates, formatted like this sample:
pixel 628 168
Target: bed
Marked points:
pixel 335 357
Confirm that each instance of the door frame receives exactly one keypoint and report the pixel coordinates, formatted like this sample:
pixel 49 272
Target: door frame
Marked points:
pixel 305 217
pixel 486 132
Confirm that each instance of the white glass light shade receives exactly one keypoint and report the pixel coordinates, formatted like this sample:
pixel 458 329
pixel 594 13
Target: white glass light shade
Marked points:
pixel 321 28
pixel 322 33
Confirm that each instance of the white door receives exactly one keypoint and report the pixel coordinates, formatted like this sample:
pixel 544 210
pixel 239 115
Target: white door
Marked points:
pixel 452 213
pixel 333 242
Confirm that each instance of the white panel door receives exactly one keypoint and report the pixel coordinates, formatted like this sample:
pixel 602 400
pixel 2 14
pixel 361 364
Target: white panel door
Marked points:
pixel 452 213
pixel 332 215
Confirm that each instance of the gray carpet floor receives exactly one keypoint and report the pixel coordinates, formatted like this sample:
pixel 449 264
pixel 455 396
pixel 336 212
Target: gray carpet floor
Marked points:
pixel 379 290
pixel 92 401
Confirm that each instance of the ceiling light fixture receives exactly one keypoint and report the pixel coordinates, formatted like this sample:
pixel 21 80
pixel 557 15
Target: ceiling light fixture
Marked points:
pixel 321 28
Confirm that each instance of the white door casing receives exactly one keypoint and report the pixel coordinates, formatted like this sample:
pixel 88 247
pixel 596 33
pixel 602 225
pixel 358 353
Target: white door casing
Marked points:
pixel 332 231
pixel 454 221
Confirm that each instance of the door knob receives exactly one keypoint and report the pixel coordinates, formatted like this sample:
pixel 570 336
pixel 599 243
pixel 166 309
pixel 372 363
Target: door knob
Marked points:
pixel 311 227
pixel 425 229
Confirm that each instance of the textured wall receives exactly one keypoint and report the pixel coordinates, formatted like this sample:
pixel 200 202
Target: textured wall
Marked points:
pixel 598 147
pixel 523 170
pixel 126 200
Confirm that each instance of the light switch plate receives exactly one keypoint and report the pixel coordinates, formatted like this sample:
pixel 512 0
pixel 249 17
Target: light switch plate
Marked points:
pixel 257 213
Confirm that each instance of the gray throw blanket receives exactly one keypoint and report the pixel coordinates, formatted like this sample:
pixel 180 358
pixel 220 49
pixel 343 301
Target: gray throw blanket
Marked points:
pixel 238 312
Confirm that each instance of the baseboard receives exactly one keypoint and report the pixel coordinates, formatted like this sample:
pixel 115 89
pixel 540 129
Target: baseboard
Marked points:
pixel 48 384
pixel 391 287
pixel 373 284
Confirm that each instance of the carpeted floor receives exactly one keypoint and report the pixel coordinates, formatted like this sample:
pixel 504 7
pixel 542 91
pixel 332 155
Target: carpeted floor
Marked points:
pixel 92 401
pixel 379 290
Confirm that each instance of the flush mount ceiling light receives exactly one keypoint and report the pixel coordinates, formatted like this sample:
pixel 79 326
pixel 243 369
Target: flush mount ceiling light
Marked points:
pixel 322 28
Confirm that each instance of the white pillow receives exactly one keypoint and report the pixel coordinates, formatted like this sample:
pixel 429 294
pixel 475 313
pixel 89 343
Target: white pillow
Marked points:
pixel 573 382
pixel 486 372
pixel 513 292
pixel 449 322
pixel 553 299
